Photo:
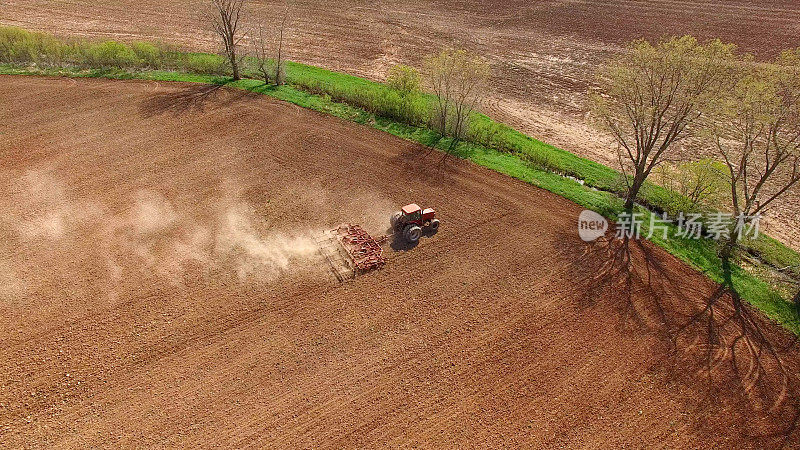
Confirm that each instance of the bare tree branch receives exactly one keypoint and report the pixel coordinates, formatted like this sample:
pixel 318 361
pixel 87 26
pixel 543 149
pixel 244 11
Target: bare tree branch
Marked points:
pixel 225 17
pixel 755 128
pixel 649 98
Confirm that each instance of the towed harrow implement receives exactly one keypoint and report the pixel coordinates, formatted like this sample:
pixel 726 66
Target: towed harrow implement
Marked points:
pixel 351 251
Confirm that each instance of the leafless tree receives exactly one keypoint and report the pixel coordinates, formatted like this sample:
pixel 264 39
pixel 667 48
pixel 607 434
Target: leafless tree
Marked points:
pixel 272 67
pixel 649 97
pixel 755 128
pixel 459 80
pixel 261 54
pixel 280 63
pixel 226 18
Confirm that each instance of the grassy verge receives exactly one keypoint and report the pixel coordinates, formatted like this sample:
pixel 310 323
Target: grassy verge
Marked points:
pixel 492 145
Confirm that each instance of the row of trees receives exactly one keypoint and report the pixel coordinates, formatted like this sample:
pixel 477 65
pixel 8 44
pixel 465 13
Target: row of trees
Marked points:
pixel 656 100
pixel 456 77
pixel 226 17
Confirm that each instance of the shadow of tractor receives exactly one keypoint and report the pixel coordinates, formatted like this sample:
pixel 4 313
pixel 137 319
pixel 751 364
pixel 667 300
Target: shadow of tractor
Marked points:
pixel 398 243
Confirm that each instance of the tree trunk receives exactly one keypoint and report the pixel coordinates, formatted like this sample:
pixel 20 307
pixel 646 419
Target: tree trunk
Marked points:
pixel 278 77
pixel 234 66
pixel 633 190
pixel 728 247
pixel 264 74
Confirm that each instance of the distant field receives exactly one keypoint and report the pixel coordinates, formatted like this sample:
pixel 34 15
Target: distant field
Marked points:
pixel 159 289
pixel 543 52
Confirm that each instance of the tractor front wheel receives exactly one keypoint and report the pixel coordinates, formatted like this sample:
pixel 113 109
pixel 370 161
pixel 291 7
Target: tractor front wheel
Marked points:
pixel 395 220
pixel 412 233
pixel 434 226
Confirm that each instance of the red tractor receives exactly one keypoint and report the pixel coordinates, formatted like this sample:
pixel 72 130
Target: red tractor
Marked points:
pixel 411 219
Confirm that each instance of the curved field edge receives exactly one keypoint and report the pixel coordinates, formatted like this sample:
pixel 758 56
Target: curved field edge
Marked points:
pixel 700 254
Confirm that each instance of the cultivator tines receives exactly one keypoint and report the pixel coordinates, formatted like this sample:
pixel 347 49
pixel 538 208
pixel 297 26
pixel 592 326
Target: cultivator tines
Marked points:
pixel 364 251
pixel 335 256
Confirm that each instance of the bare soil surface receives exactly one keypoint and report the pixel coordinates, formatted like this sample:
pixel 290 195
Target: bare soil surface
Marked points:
pixel 159 288
pixel 544 53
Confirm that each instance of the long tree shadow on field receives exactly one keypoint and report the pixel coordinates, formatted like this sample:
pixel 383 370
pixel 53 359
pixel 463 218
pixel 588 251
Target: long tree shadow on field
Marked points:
pixel 435 167
pixel 192 98
pixel 744 363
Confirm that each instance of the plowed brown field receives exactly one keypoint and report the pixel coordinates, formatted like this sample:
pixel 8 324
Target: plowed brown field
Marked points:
pixel 159 288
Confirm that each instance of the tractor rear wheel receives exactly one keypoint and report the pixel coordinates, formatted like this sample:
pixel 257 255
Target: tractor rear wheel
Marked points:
pixel 434 226
pixel 412 233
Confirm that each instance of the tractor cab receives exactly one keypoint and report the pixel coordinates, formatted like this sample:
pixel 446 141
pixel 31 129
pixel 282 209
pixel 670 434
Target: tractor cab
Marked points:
pixel 411 219
pixel 411 214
